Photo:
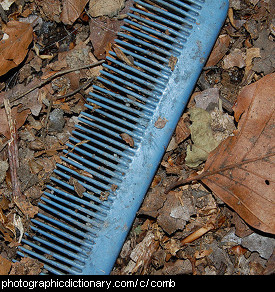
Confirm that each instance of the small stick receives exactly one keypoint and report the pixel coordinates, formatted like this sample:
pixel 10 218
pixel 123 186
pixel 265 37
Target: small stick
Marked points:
pixel 13 151
pixel 76 90
pixel 57 74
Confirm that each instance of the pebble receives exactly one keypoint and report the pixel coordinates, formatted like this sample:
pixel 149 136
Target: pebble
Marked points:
pixel 56 120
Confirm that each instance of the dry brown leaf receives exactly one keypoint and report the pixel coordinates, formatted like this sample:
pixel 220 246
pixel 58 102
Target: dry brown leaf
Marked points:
pixel 19 117
pixel 109 7
pixel 219 50
pixel 121 55
pixel 14 48
pixel 235 59
pixel 240 171
pixel 182 130
pixel 72 10
pixel 5 266
pixel 103 31
pixel 128 139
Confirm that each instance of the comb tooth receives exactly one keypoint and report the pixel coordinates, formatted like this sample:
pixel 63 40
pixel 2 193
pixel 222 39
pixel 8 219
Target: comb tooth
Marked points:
pixel 84 161
pixel 80 252
pixel 133 78
pixel 135 135
pixel 149 45
pixel 144 113
pixel 45 266
pixel 90 180
pixel 145 52
pixel 53 263
pixel 68 234
pixel 187 15
pixel 193 9
pixel 165 13
pixel 131 85
pixel 122 163
pixel 68 186
pixel 96 158
pixel 157 25
pixel 153 42
pixel 72 213
pixel 55 247
pixel 155 32
pixel 163 72
pixel 114 118
pixel 54 255
pixel 95 222
pixel 144 75
pixel 125 107
pixel 107 142
pixel 138 97
pixel 106 145
pixel 147 57
pixel 99 215
pixel 172 27
pixel 121 113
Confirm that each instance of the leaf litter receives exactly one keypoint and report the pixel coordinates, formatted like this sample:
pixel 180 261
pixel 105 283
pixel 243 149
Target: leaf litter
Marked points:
pixel 222 220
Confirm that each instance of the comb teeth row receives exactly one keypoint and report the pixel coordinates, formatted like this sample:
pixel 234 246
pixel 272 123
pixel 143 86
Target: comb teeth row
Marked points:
pixel 108 135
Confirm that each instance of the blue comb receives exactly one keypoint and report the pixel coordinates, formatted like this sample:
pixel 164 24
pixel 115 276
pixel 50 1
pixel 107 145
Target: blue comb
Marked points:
pixel 115 149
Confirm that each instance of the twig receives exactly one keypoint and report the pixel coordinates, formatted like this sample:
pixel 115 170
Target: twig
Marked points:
pixel 76 90
pixel 57 74
pixel 13 152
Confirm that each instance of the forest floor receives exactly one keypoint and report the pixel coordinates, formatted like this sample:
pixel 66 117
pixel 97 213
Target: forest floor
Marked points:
pixel 190 229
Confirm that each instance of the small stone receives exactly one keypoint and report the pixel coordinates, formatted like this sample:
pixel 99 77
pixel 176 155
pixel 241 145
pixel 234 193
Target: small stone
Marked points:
pixel 56 120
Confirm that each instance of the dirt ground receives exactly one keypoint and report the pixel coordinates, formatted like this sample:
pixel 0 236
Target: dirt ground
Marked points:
pixel 189 230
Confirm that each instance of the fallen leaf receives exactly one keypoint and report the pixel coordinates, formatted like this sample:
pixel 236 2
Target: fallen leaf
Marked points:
pixel 19 117
pixel 4 166
pixel 172 62
pixel 26 207
pixel 202 137
pixel 14 48
pixel 103 31
pixel 122 56
pixel 128 139
pixel 219 50
pixel 50 9
pixel 6 4
pixel 5 266
pixel 251 53
pixel 182 130
pixel 28 101
pixel 109 8
pixel 240 171
pixel 26 266
pixel 235 59
pixel 71 10
pixel 78 187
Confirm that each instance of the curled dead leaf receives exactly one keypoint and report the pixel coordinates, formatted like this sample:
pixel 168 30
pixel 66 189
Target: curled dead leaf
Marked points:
pixel 240 171
pixel 72 10
pixel 128 139
pixel 14 48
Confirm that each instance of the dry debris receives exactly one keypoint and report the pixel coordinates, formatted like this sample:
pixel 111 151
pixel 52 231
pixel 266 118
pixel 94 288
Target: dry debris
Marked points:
pixel 196 228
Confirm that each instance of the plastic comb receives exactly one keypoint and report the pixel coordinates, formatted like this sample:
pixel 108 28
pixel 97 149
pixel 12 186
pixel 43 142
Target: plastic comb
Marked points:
pixel 88 209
